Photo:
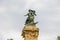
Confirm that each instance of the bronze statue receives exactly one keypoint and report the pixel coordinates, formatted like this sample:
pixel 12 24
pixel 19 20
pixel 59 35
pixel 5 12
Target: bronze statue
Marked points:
pixel 30 18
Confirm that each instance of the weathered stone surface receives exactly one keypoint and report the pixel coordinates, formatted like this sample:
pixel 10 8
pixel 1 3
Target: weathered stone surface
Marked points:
pixel 30 32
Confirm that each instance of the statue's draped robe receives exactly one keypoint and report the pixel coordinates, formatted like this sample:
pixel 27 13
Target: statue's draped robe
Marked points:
pixel 30 18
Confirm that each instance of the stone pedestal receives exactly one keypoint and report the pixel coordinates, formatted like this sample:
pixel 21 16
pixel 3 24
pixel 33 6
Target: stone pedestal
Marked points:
pixel 30 32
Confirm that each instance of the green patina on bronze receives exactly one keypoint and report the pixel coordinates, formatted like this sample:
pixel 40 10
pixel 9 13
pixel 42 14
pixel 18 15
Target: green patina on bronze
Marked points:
pixel 30 19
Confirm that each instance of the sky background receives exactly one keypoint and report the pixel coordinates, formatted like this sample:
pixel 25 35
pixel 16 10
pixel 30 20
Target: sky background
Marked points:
pixel 12 18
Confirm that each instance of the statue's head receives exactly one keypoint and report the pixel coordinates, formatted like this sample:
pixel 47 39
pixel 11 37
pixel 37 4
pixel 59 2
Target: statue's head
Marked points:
pixel 33 11
pixel 30 10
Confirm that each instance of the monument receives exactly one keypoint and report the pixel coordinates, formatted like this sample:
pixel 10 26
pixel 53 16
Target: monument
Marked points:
pixel 30 31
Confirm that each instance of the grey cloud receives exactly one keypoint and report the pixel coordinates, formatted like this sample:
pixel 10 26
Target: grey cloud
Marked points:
pixel 48 16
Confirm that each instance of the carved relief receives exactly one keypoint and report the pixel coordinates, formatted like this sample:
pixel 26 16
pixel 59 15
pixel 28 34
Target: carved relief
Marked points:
pixel 31 33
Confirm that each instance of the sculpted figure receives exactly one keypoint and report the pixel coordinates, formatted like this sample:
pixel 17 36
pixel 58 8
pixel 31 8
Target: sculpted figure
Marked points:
pixel 30 18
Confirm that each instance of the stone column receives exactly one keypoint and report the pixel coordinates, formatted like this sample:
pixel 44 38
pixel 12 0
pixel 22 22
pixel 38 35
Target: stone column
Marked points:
pixel 30 32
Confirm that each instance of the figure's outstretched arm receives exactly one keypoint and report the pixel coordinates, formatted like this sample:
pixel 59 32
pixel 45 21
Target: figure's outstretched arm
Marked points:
pixel 35 14
pixel 26 15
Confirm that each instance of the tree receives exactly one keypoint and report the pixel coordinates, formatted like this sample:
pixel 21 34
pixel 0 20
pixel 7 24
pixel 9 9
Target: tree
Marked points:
pixel 58 37
pixel 10 39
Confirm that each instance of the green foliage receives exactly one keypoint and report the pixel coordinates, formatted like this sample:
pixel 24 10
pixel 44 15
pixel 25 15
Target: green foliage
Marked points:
pixel 58 37
pixel 10 39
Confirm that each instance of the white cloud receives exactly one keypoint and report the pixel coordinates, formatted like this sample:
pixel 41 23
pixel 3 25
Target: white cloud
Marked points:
pixel 49 37
pixel 2 10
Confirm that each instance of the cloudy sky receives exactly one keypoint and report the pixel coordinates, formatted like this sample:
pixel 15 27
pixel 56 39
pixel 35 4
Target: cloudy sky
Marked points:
pixel 12 18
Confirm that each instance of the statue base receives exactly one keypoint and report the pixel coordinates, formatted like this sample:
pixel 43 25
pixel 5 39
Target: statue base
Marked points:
pixel 30 32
